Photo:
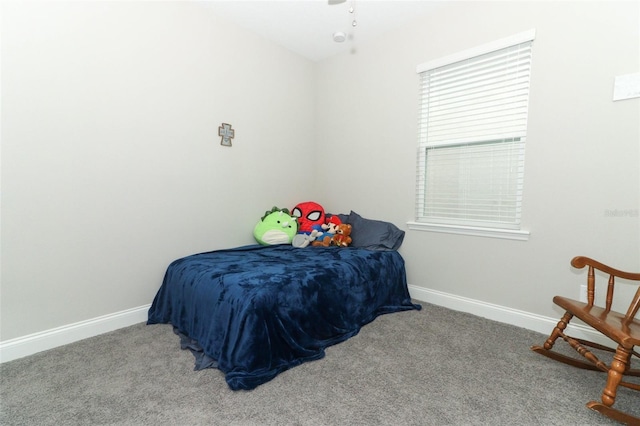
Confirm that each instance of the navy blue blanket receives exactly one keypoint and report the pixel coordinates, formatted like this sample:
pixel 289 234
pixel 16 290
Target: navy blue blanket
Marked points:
pixel 256 311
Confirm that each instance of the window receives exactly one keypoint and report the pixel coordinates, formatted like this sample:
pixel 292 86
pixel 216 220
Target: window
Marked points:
pixel 472 133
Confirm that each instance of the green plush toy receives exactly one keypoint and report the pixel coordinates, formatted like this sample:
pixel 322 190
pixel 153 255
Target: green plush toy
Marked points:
pixel 277 226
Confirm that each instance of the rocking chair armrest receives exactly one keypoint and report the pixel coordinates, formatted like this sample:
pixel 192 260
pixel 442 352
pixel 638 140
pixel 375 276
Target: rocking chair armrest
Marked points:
pixel 633 308
pixel 582 261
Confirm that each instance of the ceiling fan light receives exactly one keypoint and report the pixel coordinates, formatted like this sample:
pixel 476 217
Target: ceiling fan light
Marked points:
pixel 339 36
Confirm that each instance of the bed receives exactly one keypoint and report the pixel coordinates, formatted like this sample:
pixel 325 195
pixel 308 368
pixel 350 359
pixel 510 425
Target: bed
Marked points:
pixel 256 311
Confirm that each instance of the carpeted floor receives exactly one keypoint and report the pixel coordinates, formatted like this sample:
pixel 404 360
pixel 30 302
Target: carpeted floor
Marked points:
pixel 433 367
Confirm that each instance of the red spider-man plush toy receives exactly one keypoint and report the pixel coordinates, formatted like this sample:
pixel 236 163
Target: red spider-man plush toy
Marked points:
pixel 310 217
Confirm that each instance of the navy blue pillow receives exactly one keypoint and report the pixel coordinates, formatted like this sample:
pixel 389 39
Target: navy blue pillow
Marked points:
pixel 372 234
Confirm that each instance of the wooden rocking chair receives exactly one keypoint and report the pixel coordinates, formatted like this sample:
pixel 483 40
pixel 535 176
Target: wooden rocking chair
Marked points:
pixel 623 329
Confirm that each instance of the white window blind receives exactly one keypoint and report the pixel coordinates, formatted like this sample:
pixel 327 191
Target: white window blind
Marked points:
pixel 473 124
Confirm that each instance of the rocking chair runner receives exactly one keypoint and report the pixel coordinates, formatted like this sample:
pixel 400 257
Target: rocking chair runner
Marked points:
pixel 623 329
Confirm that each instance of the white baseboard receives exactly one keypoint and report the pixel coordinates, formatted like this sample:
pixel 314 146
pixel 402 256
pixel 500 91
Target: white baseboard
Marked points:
pixel 504 314
pixel 49 339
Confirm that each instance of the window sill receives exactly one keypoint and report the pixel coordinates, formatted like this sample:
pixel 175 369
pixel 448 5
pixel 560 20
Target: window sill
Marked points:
pixel 508 234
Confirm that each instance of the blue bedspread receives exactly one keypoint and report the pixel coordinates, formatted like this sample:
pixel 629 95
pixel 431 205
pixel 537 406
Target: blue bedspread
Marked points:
pixel 256 311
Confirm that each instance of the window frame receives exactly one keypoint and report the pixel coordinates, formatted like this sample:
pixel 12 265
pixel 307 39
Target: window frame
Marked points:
pixel 501 231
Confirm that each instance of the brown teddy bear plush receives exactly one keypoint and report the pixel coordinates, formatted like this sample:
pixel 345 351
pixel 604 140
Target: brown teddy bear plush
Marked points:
pixel 342 238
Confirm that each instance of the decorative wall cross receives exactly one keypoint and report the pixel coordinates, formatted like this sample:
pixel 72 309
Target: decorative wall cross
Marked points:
pixel 227 134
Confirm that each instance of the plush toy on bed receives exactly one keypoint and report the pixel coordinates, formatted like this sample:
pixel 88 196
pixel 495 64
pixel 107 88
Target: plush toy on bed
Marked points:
pixel 342 237
pixel 311 217
pixel 277 226
pixel 328 231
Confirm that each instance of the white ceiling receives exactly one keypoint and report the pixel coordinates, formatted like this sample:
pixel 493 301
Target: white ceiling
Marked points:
pixel 306 27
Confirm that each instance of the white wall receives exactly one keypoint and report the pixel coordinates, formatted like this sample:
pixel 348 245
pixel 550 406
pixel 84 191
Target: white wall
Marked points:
pixel 582 155
pixel 111 161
